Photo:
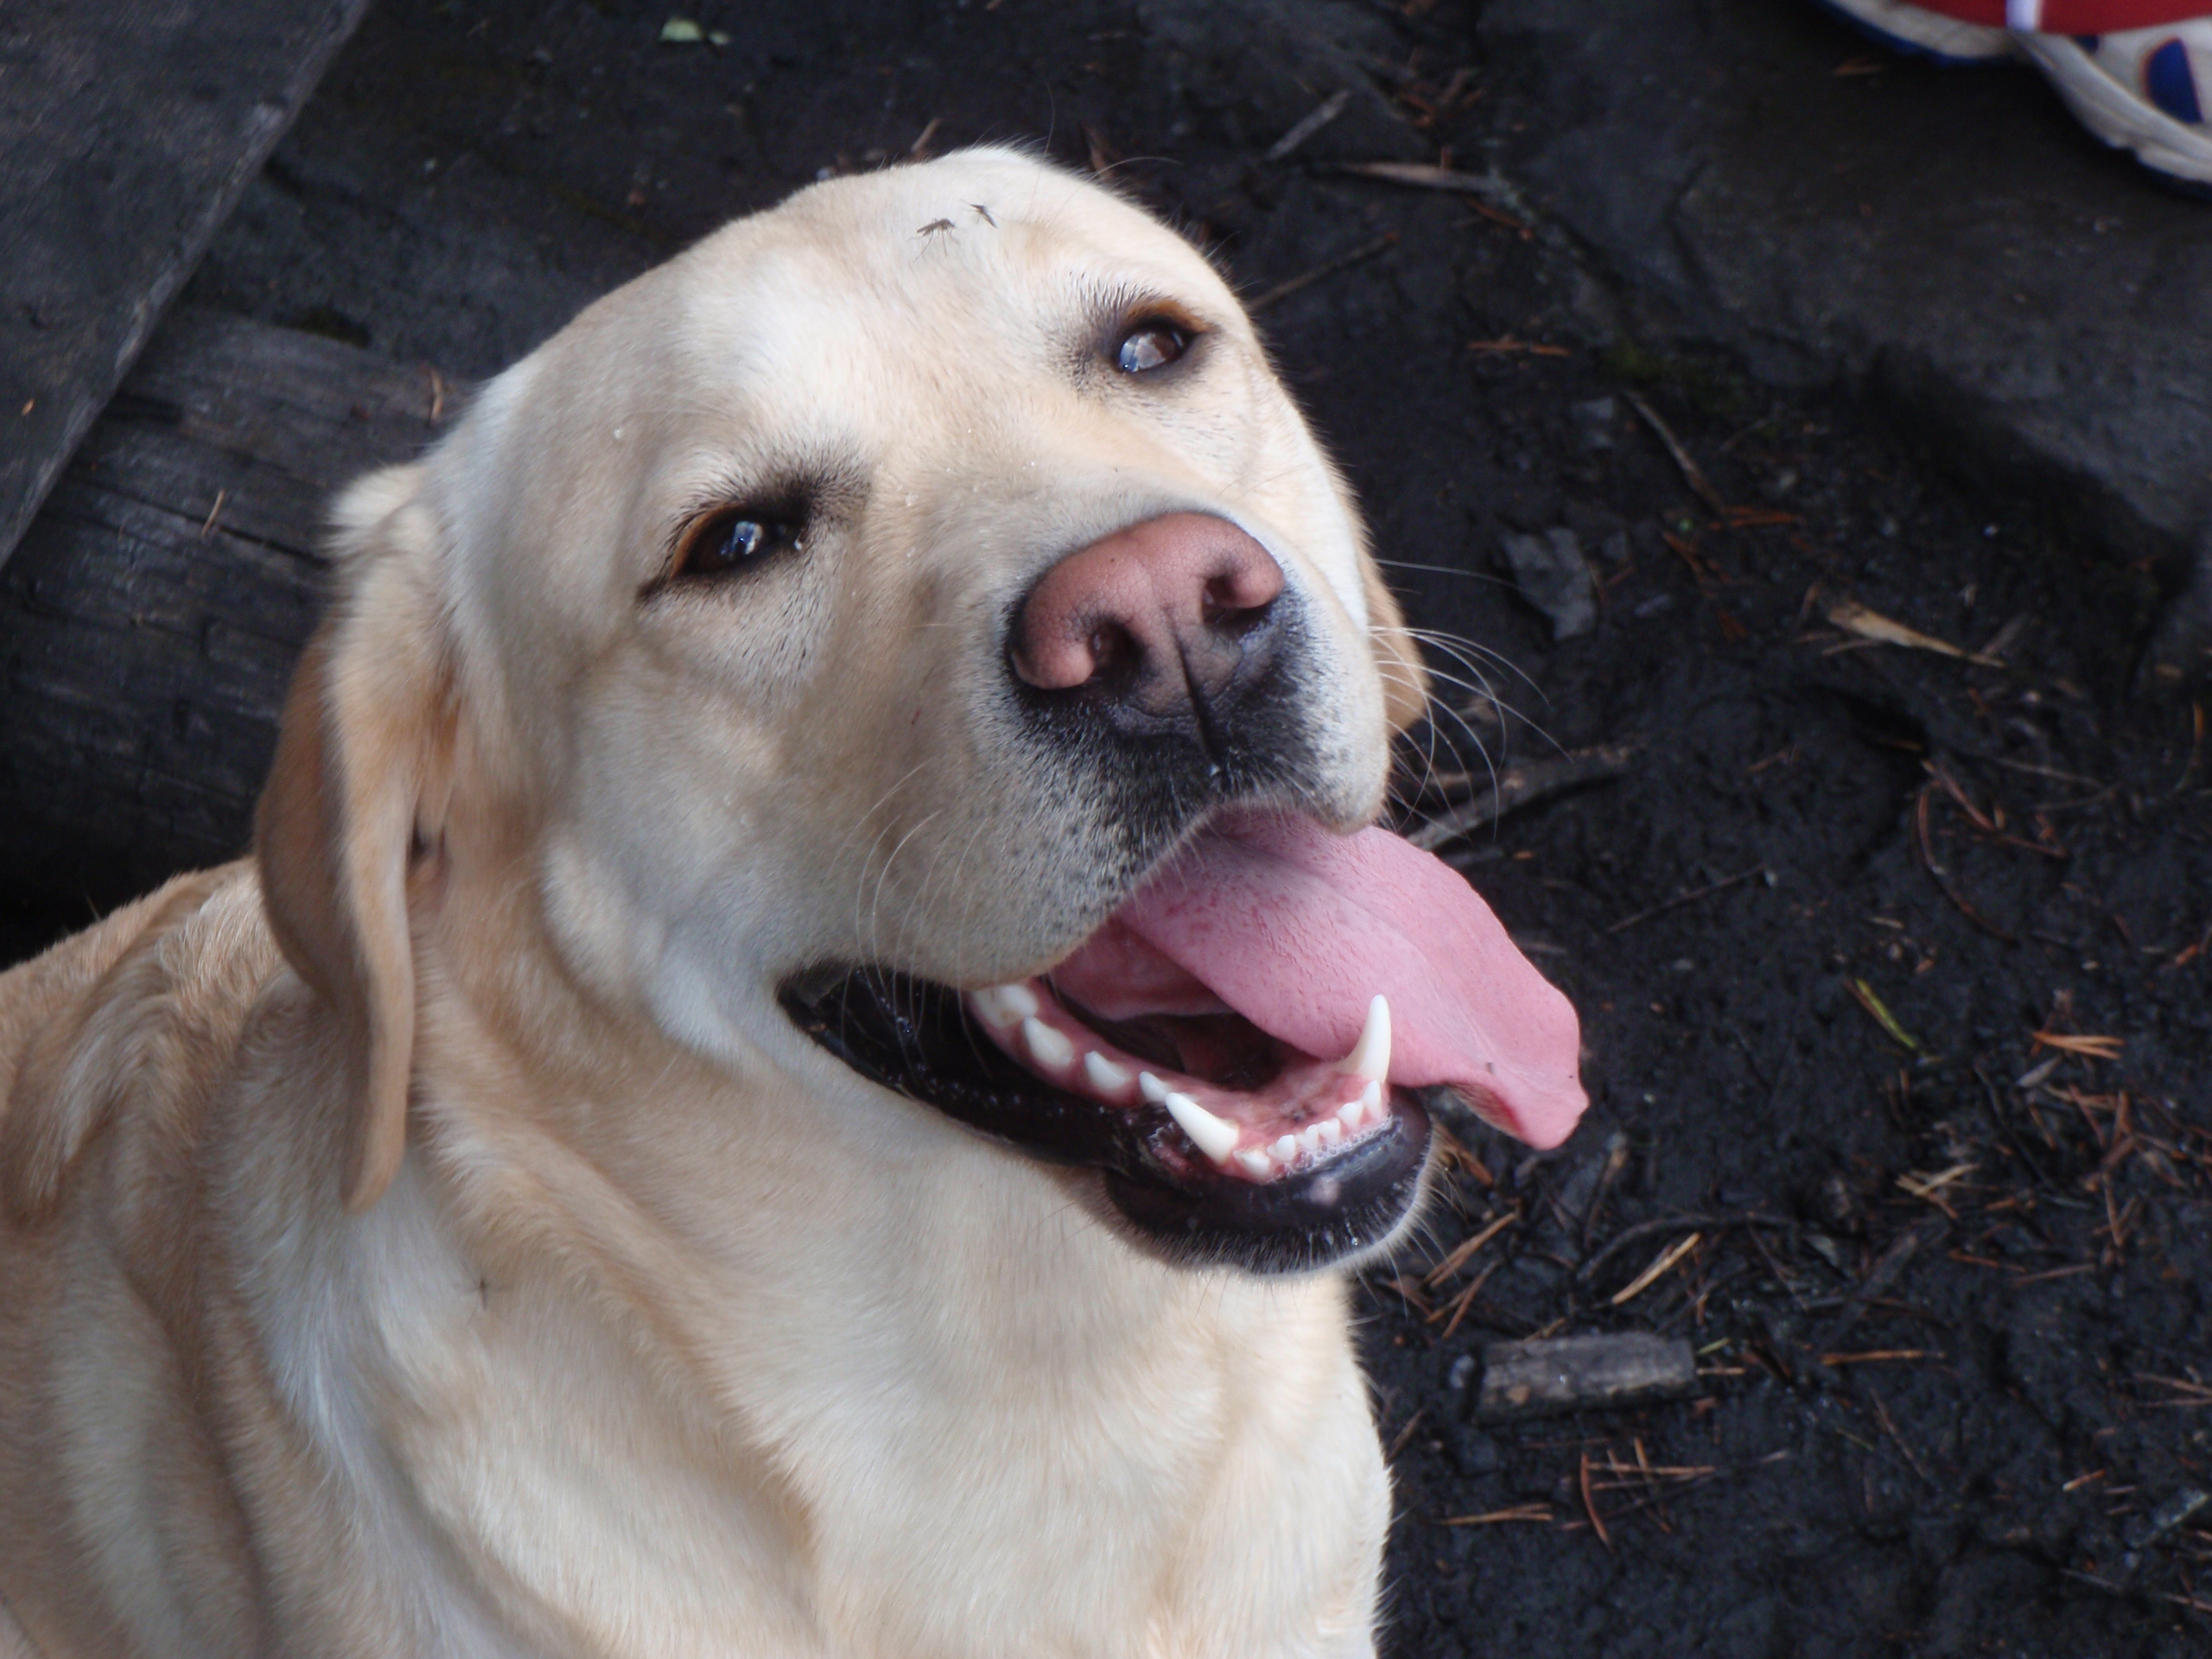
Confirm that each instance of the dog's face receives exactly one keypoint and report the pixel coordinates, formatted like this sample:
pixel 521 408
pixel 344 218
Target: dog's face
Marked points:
pixel 860 612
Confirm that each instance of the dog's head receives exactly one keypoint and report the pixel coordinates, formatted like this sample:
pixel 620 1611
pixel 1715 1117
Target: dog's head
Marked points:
pixel 917 620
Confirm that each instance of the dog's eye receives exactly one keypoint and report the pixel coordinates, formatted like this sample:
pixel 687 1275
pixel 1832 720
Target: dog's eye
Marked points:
pixel 732 538
pixel 1151 345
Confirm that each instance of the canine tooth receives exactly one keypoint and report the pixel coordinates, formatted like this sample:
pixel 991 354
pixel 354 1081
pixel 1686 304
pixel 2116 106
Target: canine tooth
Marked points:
pixel 1151 1088
pixel 1211 1136
pixel 1050 1046
pixel 1371 1055
pixel 1103 1075
pixel 1329 1132
pixel 1006 1005
pixel 1284 1151
pixel 1256 1164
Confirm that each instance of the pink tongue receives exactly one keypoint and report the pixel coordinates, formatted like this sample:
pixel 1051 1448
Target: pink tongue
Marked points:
pixel 1297 928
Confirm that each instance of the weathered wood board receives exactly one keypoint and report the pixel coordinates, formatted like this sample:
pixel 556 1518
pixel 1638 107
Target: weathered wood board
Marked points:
pixel 149 619
pixel 127 129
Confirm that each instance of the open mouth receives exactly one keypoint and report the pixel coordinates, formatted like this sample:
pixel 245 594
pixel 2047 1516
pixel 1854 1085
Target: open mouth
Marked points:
pixel 1239 1048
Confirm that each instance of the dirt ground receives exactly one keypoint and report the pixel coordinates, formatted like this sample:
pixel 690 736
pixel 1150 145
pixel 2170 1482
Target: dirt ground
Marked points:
pixel 1893 964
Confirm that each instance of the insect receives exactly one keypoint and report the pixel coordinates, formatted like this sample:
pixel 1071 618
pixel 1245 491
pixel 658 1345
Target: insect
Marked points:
pixel 935 227
pixel 984 213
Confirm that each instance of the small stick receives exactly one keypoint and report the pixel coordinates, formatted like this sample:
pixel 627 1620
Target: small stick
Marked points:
pixel 1524 785
pixel 1590 1506
pixel 1465 1299
pixel 1451 1263
pixel 1721 885
pixel 1498 1518
pixel 213 513
pixel 1693 474
pixel 1329 110
pixel 1875 1357
pixel 1359 255
pixel 1628 1236
pixel 1405 1434
pixel 1889 1425
pixel 1942 877
pixel 919 150
pixel 1506 346
pixel 1651 1276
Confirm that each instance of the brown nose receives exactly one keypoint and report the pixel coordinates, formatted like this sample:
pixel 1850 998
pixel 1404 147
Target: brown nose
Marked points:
pixel 1159 616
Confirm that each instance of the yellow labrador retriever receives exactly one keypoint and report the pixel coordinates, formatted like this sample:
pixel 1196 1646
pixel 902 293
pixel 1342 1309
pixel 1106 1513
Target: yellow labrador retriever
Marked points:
pixel 811 1014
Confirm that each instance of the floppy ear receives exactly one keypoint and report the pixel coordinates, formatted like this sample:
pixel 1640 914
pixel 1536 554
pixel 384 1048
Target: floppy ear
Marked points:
pixel 1405 676
pixel 356 794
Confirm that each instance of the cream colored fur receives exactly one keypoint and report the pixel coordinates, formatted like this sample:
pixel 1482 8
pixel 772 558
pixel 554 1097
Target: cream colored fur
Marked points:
pixel 429 1238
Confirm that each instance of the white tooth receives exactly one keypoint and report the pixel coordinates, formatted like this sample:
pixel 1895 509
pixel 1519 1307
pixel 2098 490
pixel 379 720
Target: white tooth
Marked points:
pixel 1151 1088
pixel 1352 1114
pixel 1212 1136
pixel 1284 1151
pixel 1256 1164
pixel 1103 1075
pixel 1371 1098
pixel 1371 1055
pixel 1050 1047
pixel 1309 1138
pixel 1330 1131
pixel 1006 1005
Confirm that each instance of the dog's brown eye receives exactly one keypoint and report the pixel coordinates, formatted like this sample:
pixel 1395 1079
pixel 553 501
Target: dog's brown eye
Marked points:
pixel 1151 347
pixel 730 539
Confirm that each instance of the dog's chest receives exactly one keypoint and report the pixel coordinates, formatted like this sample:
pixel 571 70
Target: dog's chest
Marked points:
pixel 1149 1465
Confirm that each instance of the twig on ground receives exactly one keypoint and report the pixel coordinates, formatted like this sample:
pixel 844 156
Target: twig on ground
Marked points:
pixel 1590 1506
pixel 1855 618
pixel 1529 1512
pixel 1366 251
pixel 1890 1428
pixel 1875 1357
pixel 1693 474
pixel 1628 1236
pixel 1691 897
pixel 1405 1434
pixel 1489 197
pixel 1660 1263
pixel 1329 109
pixel 1465 1299
pixel 1942 876
pixel 1863 993
pixel 1507 346
pixel 1543 1375
pixel 1451 1263
pixel 1523 785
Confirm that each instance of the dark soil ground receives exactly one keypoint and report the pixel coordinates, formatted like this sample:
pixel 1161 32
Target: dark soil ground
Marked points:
pixel 1893 966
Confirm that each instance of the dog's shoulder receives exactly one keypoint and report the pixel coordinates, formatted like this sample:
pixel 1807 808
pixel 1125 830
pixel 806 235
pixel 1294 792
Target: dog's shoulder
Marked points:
pixel 139 1013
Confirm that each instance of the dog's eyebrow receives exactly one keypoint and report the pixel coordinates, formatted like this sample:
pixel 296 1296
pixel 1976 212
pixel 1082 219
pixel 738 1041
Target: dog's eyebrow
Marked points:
pixel 1109 303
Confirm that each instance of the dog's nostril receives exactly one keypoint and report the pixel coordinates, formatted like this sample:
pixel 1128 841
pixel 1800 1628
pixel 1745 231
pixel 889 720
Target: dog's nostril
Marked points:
pixel 1235 604
pixel 1152 615
pixel 1113 655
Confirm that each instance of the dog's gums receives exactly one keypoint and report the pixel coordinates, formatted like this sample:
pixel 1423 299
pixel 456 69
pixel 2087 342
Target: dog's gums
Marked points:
pixel 1285 1199
pixel 1308 1111
pixel 1184 1046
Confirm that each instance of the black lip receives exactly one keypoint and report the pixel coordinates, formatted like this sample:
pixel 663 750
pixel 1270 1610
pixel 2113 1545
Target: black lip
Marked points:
pixel 913 1036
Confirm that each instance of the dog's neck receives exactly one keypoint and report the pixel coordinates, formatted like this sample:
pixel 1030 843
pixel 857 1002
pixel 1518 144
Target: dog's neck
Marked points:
pixel 707 1321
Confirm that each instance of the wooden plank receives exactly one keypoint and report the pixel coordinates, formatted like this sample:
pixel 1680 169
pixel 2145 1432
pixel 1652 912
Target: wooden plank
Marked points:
pixel 127 131
pixel 1542 1377
pixel 146 636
